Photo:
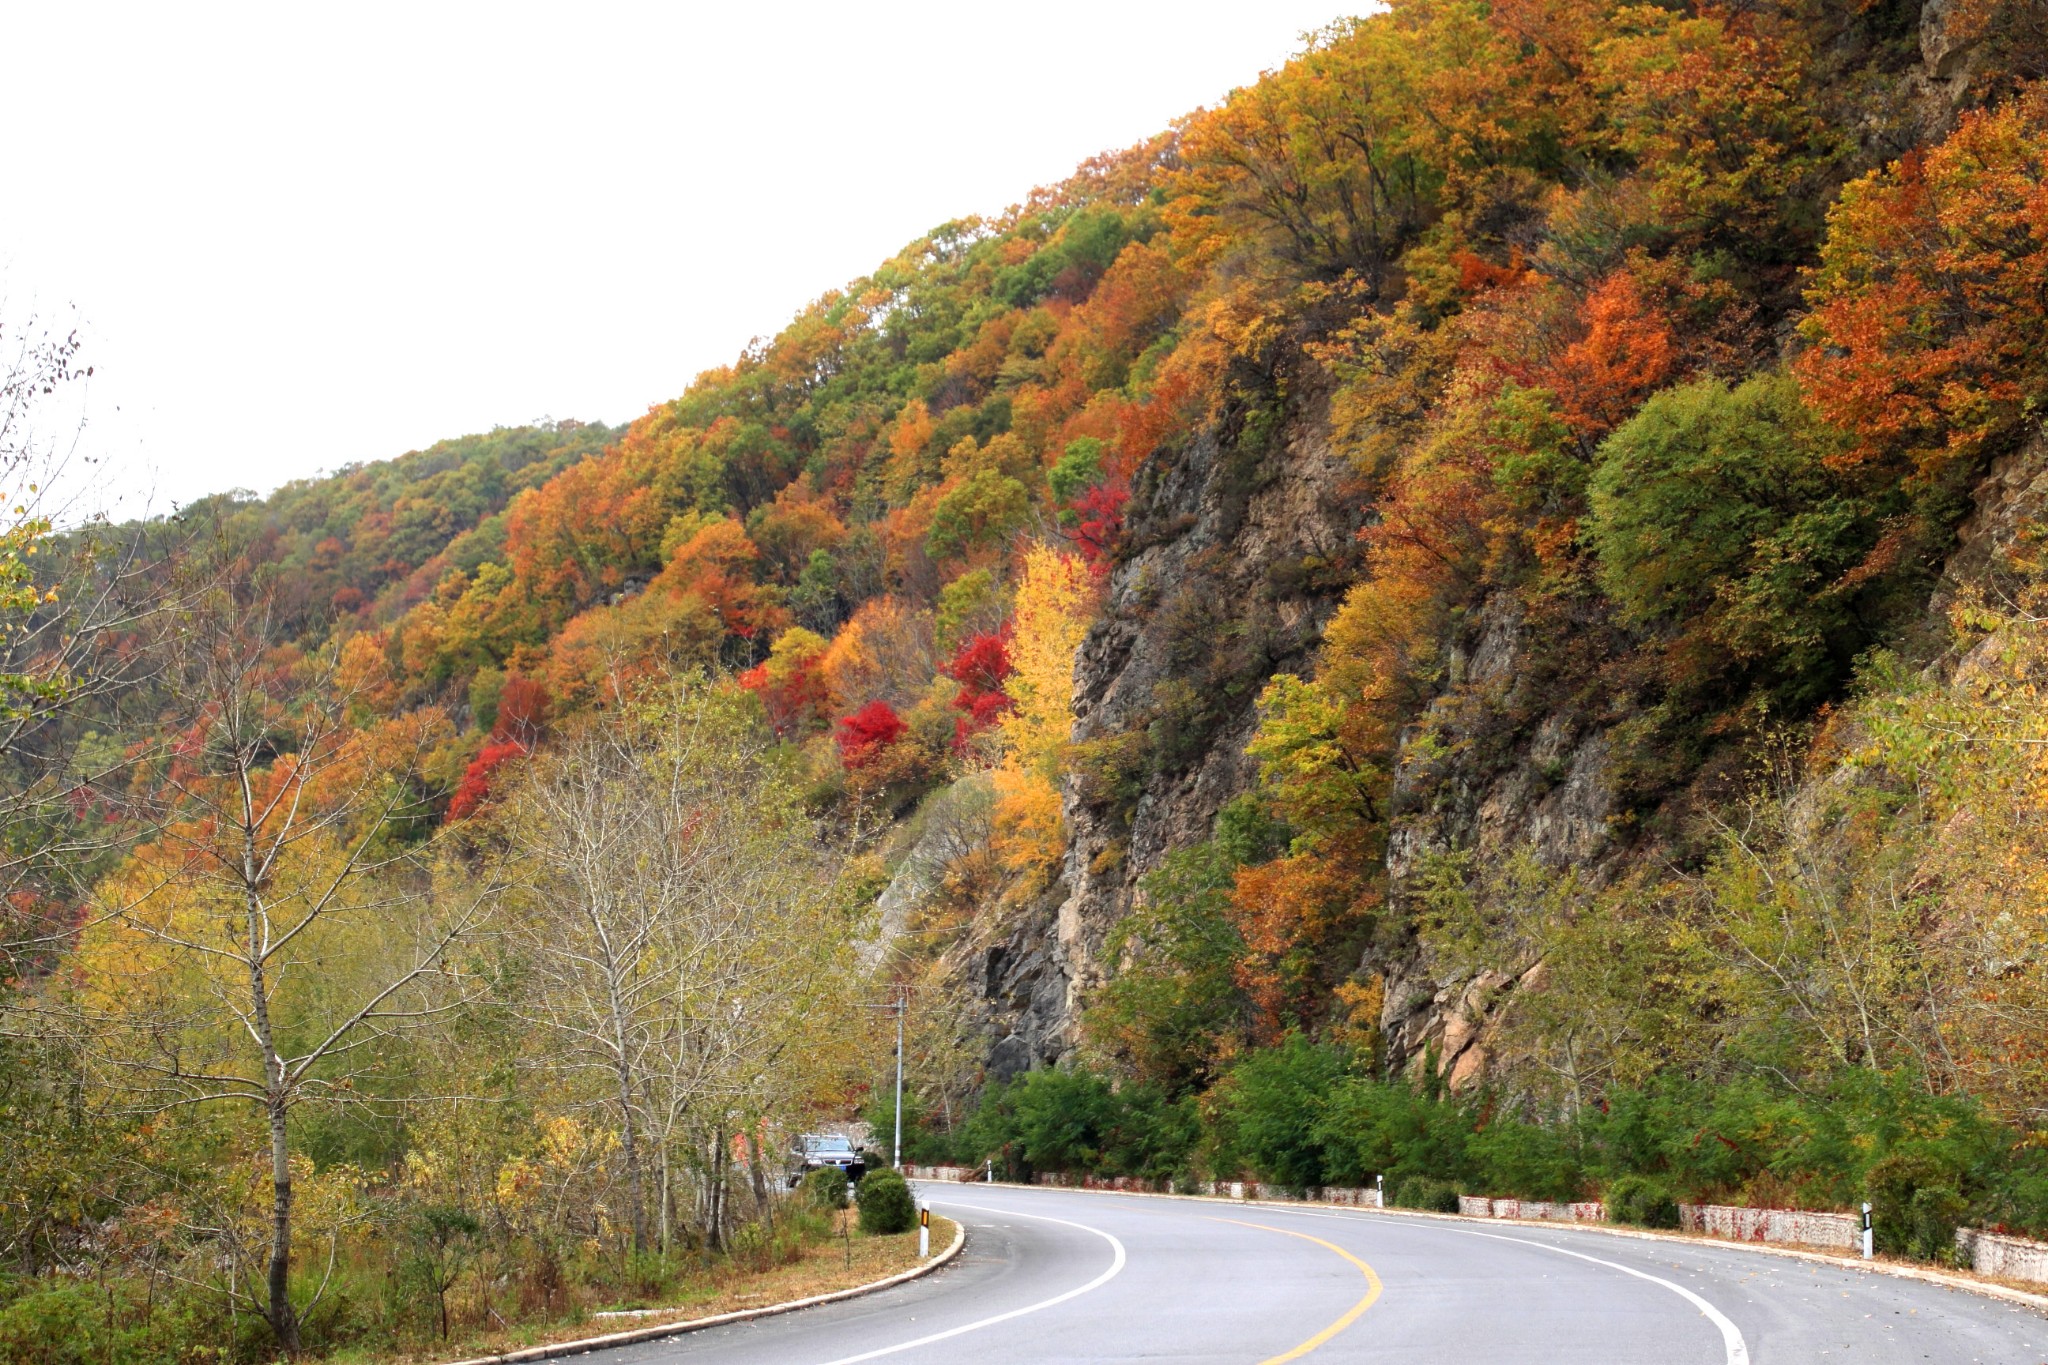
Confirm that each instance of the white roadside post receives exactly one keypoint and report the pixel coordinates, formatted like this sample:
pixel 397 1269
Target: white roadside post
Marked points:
pixel 1867 1246
pixel 924 1233
pixel 1379 1189
pixel 988 1170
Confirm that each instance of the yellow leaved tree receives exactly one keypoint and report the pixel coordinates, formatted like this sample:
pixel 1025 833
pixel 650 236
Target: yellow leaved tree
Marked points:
pixel 1055 598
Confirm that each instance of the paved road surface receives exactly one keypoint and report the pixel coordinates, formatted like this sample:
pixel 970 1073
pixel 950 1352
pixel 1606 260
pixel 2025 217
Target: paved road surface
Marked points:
pixel 1051 1275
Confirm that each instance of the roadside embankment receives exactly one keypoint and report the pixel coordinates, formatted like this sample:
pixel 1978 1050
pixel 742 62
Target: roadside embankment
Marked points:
pixel 841 1268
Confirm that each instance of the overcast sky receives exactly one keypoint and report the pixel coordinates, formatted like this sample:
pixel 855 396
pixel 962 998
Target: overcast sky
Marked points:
pixel 299 236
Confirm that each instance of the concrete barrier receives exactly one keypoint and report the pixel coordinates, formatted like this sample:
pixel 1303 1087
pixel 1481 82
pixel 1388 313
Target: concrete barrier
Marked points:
pixel 1542 1210
pixel 942 1173
pixel 1789 1227
pixel 2007 1257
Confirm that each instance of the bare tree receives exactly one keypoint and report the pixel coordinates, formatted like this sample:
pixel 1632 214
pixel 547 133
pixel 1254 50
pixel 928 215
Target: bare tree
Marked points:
pixel 283 924
pixel 674 920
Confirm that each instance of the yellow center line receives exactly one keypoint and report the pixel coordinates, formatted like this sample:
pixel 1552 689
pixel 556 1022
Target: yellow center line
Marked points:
pixel 1352 1315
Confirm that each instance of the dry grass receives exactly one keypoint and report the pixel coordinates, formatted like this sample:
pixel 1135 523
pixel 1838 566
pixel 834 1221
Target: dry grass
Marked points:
pixel 849 1259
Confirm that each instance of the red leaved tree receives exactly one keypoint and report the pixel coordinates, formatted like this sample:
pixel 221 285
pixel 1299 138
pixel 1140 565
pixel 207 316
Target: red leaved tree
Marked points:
pixel 980 666
pixel 867 733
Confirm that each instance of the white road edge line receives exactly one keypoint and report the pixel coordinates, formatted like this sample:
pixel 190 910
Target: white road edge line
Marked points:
pixel 1731 1335
pixel 1116 1265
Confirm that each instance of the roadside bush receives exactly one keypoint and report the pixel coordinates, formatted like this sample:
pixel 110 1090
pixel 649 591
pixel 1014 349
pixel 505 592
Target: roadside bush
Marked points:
pixel 2018 1197
pixel 1394 1129
pixel 885 1203
pixel 1639 1200
pixel 1277 1099
pixel 1149 1136
pixel 825 1188
pixel 1062 1117
pixel 1935 1214
pixel 1078 1122
pixel 1422 1192
pixel 1525 1160
pixel 1890 1187
pixel 990 1133
pixel 763 1246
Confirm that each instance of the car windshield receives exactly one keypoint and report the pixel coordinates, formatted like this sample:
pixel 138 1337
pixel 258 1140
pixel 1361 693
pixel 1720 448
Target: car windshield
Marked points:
pixel 828 1144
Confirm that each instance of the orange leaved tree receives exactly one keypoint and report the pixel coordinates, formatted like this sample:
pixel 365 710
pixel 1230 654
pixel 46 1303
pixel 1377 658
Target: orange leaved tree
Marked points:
pixel 1932 296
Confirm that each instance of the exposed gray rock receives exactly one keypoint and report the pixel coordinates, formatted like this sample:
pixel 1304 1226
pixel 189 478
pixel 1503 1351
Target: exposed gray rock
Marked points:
pixel 948 825
pixel 1216 591
pixel 1208 596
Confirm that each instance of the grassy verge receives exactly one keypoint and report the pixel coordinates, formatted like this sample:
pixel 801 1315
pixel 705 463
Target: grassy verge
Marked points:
pixel 845 1260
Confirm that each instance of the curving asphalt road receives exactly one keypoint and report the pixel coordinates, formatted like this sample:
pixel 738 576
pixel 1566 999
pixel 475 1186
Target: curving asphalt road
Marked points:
pixel 1050 1275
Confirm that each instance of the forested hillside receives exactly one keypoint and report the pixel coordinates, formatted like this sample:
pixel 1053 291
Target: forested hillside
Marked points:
pixel 1471 612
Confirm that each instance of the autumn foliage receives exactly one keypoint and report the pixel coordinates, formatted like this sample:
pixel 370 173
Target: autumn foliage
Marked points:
pixel 980 667
pixel 1932 293
pixel 475 787
pixel 867 733
pixel 1364 544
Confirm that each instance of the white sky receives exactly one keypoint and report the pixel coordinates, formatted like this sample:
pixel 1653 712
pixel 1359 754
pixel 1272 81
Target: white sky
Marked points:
pixel 299 236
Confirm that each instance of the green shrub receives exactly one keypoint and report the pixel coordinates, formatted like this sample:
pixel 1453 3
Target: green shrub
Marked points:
pixel 1890 1185
pixel 1148 1135
pixel 2018 1197
pixel 1394 1129
pixel 825 1188
pixel 1278 1098
pixel 1075 1121
pixel 1062 1116
pixel 54 1326
pixel 1423 1192
pixel 885 1203
pixel 1526 1160
pixel 1935 1214
pixel 1714 514
pixel 1642 1201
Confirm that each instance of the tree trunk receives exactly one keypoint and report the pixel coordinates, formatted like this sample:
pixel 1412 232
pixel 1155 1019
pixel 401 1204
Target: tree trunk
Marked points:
pixel 717 1229
pixel 284 1321
pixel 667 1200
pixel 629 1135
pixel 629 1144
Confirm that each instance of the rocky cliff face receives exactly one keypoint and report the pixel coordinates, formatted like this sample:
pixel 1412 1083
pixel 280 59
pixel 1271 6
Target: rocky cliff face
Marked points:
pixel 1247 544
pixel 1248 541
pixel 1239 551
pixel 1244 543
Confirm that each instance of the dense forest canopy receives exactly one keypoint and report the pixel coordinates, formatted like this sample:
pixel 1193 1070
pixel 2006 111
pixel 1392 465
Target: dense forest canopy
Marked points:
pixel 1675 342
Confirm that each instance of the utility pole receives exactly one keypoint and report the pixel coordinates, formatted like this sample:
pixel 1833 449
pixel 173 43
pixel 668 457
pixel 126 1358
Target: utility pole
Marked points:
pixel 899 1004
pixel 896 1150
